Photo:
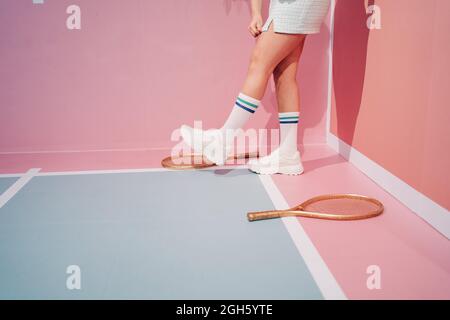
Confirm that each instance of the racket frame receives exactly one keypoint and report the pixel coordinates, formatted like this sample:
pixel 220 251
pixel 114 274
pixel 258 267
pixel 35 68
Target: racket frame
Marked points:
pixel 298 211
pixel 168 162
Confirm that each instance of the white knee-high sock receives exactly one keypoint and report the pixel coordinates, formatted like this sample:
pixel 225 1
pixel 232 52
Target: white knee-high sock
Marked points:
pixel 243 108
pixel 288 132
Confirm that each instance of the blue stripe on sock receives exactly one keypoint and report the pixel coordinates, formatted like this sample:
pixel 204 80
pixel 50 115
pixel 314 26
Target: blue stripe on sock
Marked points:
pixel 288 121
pixel 245 108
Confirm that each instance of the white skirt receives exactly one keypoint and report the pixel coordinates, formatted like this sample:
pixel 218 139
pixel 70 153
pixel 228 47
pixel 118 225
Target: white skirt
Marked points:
pixel 297 16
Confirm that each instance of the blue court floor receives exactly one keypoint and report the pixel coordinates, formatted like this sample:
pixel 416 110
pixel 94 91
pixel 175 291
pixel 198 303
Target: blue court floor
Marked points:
pixel 147 235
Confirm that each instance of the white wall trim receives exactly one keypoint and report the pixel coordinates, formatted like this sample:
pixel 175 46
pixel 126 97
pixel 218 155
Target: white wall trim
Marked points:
pixel 437 216
pixel 330 67
pixel 434 214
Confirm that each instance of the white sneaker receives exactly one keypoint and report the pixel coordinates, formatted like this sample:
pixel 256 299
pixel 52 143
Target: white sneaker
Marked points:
pixel 210 143
pixel 195 138
pixel 217 150
pixel 277 163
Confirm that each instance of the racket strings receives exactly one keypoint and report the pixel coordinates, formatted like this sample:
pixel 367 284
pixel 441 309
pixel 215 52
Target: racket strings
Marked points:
pixel 343 206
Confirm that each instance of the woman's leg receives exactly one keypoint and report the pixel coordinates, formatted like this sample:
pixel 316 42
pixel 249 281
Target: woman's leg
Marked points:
pixel 285 77
pixel 270 49
pixel 286 159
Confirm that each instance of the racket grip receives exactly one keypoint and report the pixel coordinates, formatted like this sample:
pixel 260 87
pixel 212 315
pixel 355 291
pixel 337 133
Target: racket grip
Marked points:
pixel 262 215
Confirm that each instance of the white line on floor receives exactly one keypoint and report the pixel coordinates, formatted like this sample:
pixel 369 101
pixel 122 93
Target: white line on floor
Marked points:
pixel 141 170
pixel 322 275
pixel 19 184
pixel 11 175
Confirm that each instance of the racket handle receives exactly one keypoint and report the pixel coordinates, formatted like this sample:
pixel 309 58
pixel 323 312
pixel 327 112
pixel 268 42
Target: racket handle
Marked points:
pixel 262 215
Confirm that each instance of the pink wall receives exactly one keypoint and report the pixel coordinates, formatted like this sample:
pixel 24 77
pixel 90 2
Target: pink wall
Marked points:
pixel 390 98
pixel 135 71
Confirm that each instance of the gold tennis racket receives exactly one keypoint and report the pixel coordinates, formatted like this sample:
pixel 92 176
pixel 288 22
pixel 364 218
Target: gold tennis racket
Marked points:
pixel 329 206
pixel 197 161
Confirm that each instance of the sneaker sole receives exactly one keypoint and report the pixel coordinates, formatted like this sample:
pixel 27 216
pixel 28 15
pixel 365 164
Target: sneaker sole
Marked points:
pixel 213 158
pixel 289 170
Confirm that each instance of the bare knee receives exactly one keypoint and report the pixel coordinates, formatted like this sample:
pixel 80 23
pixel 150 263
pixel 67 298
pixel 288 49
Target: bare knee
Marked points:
pixel 284 79
pixel 259 64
